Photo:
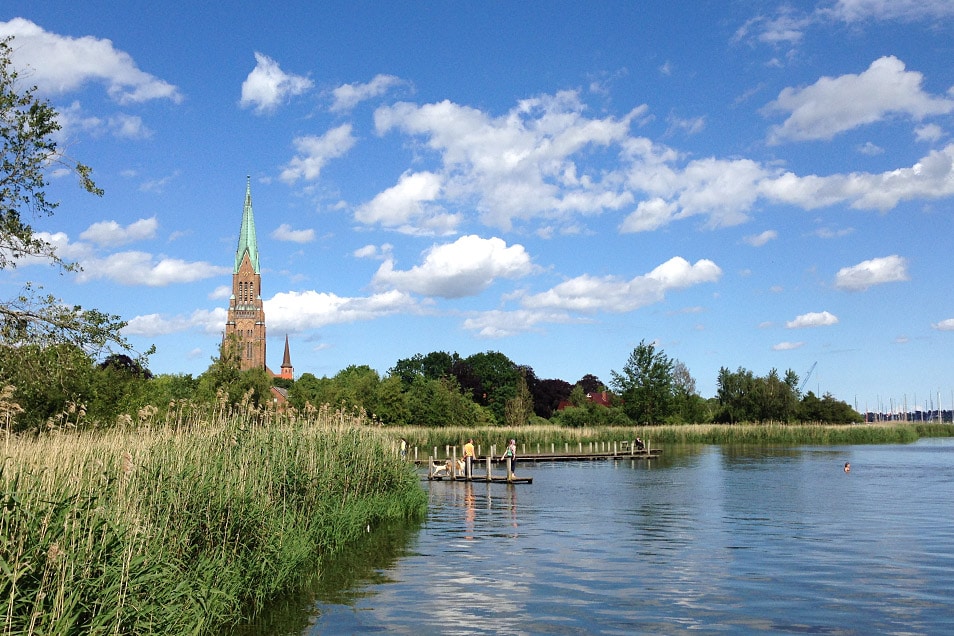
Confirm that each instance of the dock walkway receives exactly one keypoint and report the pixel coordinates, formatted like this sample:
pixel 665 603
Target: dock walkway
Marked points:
pixel 438 471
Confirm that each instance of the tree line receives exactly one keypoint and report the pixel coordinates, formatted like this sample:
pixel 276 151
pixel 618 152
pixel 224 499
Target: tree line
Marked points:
pixel 62 386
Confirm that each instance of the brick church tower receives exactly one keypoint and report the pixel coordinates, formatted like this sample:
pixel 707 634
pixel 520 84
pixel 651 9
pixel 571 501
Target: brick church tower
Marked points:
pixel 245 326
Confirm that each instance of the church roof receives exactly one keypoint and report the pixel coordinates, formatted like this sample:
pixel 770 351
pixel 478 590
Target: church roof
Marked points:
pixel 247 241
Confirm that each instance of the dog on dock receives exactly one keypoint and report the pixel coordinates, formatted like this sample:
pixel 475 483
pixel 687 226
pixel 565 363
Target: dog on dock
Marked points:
pixel 445 468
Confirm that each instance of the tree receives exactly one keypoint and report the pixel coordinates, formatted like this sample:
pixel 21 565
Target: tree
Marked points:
pixel 29 153
pixel 432 366
pixel 492 379
pixel 590 384
pixel 519 408
pixel 646 385
pixel 690 408
pixel 57 397
pixel 548 394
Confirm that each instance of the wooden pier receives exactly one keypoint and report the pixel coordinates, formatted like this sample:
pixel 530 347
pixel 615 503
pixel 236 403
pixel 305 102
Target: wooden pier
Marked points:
pixel 449 468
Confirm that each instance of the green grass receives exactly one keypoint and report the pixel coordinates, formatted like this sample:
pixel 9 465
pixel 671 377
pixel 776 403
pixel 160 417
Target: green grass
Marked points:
pixel 187 523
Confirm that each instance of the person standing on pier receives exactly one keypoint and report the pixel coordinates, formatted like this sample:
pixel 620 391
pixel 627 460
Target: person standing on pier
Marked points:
pixel 469 458
pixel 511 454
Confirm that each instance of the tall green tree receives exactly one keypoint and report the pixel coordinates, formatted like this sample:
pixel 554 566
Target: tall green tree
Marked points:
pixel 492 379
pixel 646 385
pixel 519 408
pixel 28 154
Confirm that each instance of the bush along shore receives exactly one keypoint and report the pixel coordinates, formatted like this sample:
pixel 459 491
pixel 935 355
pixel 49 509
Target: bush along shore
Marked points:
pixel 188 523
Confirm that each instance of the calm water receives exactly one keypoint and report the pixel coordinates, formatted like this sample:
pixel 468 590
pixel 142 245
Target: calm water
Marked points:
pixel 706 540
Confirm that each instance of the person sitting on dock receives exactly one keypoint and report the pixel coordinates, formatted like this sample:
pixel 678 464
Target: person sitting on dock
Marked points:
pixel 640 445
pixel 511 452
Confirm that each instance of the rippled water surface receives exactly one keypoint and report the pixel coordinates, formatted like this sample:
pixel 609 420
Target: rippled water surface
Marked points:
pixel 706 540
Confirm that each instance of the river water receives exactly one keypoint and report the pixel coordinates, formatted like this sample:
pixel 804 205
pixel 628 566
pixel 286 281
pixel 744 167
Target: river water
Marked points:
pixel 706 539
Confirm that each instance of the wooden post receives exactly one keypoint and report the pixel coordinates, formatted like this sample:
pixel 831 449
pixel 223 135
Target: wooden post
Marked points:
pixel 615 449
pixel 581 448
pixel 453 470
pixel 490 460
pixel 566 448
pixel 415 453
pixel 430 467
pixel 551 448
pixel 538 448
pixel 509 471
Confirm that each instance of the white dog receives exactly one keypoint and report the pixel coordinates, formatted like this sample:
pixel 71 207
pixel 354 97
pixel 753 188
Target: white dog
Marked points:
pixel 445 468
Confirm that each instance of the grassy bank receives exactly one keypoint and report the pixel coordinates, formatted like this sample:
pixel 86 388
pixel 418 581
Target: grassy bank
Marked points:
pixel 186 524
pixel 530 436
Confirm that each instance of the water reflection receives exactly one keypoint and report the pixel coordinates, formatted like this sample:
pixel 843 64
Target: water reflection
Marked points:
pixel 709 539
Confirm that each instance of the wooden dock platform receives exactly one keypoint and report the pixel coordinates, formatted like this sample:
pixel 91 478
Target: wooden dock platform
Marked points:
pixel 449 470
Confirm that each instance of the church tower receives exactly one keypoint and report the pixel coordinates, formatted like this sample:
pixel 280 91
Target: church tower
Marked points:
pixel 288 371
pixel 245 327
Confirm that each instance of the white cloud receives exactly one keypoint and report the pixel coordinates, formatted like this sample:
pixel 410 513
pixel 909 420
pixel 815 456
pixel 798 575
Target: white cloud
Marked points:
pixel 835 104
pixel 589 293
pixel 59 64
pixel 299 311
pixel 758 240
pixel 931 177
pixel 462 268
pixel 828 233
pixel 267 85
pixel 888 269
pixel 787 346
pixel 786 28
pixel 502 324
pixel 315 152
pixel 812 319
pixel 347 96
pixel 724 190
pixel 284 232
pixel 870 149
pixel 649 215
pixel 111 234
pixel 221 292
pixel 904 10
pixel 140 268
pixel 944 325
pixel 519 166
pixel 410 206
pixel 149 325
pixel 928 132
pixel 689 126
pixel 373 251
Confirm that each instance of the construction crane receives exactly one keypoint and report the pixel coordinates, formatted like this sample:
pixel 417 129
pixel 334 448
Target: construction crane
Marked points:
pixel 808 375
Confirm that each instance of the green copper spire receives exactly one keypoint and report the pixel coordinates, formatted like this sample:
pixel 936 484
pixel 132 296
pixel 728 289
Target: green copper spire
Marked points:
pixel 247 241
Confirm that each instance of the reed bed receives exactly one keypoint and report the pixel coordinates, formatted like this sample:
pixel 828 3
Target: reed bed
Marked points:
pixel 186 523
pixel 529 437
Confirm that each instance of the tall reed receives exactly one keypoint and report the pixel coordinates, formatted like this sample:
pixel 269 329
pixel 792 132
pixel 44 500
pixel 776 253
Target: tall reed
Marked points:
pixel 187 522
pixel 529 437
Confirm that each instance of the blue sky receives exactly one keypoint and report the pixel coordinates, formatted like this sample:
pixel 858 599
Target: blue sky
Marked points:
pixel 746 184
